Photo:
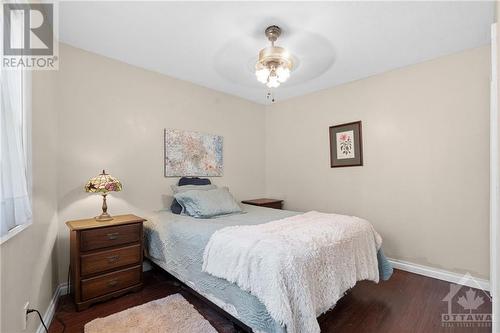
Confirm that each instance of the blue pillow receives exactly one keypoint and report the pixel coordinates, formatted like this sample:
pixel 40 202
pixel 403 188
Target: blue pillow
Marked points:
pixel 193 181
pixel 175 207
pixel 207 204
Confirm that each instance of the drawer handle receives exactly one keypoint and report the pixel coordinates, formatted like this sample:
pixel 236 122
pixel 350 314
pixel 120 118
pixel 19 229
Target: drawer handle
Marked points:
pixel 112 259
pixel 112 283
pixel 112 235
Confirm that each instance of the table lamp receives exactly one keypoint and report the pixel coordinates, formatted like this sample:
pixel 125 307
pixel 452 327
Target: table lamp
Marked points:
pixel 103 184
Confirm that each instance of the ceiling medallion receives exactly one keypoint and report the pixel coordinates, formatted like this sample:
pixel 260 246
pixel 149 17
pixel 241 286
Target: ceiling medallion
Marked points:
pixel 275 63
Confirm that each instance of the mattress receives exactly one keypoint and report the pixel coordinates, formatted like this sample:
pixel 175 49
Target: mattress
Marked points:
pixel 176 243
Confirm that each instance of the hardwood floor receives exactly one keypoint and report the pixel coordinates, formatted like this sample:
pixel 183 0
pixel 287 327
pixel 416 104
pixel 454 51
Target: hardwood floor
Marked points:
pixel 406 303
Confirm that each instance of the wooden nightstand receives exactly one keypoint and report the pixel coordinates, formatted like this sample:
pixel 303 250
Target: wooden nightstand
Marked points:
pixel 105 258
pixel 269 203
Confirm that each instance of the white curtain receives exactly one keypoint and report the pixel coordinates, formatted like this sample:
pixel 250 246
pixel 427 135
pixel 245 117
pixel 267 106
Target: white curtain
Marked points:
pixel 15 209
pixel 14 195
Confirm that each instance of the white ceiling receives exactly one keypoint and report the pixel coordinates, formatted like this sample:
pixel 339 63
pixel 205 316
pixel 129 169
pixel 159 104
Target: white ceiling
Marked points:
pixel 215 44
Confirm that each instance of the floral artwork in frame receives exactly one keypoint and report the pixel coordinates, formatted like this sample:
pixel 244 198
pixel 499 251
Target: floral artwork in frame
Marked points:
pixel 346 145
pixel 193 154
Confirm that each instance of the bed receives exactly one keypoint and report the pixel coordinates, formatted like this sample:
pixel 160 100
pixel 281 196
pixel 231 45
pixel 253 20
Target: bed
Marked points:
pixel 176 243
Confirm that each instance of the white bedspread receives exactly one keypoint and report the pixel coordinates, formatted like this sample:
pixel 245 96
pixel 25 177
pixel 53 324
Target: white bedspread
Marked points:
pixel 298 267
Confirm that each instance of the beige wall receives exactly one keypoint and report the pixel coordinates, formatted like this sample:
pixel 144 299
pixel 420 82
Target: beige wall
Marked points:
pixel 112 116
pixel 29 259
pixel 424 184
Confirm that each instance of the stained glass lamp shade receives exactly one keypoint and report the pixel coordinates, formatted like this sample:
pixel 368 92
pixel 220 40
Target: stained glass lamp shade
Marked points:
pixel 103 184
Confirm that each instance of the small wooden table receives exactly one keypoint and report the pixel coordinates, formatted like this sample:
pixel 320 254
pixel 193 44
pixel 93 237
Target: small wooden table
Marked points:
pixel 264 202
pixel 105 258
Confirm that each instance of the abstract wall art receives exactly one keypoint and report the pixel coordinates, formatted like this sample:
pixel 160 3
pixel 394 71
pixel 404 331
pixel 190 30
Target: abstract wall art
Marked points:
pixel 190 153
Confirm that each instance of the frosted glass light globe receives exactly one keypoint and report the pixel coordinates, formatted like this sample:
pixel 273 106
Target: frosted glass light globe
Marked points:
pixel 273 82
pixel 262 74
pixel 283 73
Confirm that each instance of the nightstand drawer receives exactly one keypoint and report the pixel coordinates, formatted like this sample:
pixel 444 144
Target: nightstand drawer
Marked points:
pixel 107 283
pixel 105 237
pixel 110 259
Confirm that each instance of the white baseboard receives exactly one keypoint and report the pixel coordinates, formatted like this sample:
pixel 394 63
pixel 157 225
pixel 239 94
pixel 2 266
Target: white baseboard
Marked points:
pixel 440 274
pixel 51 309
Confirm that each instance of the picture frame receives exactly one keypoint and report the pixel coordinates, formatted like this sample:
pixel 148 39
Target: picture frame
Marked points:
pixel 192 154
pixel 346 145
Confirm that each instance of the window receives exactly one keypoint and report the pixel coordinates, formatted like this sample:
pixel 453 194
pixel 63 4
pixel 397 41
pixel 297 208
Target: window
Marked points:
pixel 15 173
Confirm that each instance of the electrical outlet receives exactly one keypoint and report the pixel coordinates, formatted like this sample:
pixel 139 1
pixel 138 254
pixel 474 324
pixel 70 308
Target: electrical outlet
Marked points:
pixel 25 315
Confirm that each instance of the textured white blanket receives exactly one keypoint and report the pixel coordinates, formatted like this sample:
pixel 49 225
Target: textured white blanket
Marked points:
pixel 298 267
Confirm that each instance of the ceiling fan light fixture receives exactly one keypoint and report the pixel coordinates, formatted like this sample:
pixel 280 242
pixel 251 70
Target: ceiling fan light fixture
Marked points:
pixel 275 63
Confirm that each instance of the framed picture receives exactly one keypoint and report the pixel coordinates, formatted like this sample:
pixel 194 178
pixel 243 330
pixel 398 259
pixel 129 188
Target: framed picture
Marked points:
pixel 192 154
pixel 346 145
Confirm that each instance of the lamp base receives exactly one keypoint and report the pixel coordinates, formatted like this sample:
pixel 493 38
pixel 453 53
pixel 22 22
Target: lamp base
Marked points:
pixel 103 217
